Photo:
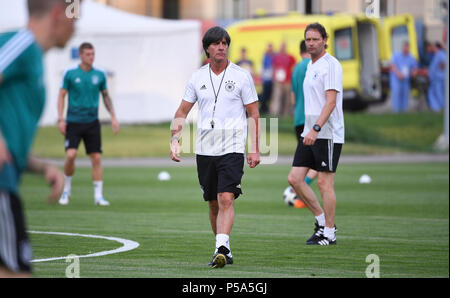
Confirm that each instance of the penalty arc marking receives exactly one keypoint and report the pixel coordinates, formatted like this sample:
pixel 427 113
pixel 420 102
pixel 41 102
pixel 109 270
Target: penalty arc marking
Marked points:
pixel 127 245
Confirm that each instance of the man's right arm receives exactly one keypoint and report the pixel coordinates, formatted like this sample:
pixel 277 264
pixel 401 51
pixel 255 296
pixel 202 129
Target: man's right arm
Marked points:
pixel 61 122
pixel 176 127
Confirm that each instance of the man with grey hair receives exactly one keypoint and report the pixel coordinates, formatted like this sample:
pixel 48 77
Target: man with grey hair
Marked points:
pixel 225 92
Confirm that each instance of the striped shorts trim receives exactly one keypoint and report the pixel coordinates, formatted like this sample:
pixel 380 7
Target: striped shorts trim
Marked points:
pixel 15 249
pixel 323 156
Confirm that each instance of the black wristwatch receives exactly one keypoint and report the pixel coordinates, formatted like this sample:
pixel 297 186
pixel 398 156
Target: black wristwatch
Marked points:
pixel 317 127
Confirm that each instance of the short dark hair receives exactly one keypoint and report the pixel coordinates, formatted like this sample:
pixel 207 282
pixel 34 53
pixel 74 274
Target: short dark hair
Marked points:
pixel 213 35
pixel 85 46
pixel 40 7
pixel 303 47
pixel 318 27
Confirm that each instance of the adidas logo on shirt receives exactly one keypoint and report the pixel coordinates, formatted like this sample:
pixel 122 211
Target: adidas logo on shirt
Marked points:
pixel 203 87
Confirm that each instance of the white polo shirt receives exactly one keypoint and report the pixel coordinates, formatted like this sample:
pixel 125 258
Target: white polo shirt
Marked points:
pixel 322 75
pixel 230 122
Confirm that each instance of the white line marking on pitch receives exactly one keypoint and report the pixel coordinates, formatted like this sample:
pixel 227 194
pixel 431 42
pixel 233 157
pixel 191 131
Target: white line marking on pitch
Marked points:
pixel 127 245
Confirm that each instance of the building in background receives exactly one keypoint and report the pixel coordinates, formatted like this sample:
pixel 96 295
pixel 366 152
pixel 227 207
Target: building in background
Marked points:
pixel 429 12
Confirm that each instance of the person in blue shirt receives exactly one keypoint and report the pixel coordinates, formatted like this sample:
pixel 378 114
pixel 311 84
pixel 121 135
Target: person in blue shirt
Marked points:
pixel 403 67
pixel 244 62
pixel 436 74
pixel 267 77
pixel 22 101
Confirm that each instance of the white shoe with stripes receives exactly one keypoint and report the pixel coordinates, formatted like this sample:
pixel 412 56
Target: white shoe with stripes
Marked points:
pixel 326 241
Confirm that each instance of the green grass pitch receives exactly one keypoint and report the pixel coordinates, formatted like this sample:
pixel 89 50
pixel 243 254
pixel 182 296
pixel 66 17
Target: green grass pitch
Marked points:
pixel 402 217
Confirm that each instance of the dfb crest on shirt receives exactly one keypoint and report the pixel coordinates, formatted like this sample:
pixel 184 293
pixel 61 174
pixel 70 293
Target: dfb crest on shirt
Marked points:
pixel 95 80
pixel 316 76
pixel 230 86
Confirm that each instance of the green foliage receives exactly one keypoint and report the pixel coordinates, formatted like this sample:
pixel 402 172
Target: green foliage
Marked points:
pixel 408 132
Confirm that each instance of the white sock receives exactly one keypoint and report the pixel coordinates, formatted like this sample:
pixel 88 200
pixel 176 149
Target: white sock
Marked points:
pixel 321 219
pixel 98 189
pixel 67 184
pixel 329 233
pixel 223 239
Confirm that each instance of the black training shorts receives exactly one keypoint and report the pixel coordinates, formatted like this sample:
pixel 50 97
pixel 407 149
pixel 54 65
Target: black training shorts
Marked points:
pixel 15 248
pixel 299 131
pixel 218 174
pixel 323 156
pixel 90 133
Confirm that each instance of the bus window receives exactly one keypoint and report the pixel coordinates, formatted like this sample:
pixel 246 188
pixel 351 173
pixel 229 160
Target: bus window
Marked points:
pixel 343 44
pixel 399 35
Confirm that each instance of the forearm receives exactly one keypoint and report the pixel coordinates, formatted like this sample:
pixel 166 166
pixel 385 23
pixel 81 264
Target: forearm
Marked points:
pixel 253 115
pixel 51 174
pixel 395 70
pixel 36 166
pixel 177 123
pixel 293 99
pixel 61 98
pixel 179 118
pixel 328 108
pixel 108 104
pixel 4 154
pixel 254 134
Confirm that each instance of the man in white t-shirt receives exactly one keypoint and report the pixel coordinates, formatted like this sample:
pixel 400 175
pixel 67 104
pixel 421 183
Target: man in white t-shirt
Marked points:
pixel 322 138
pixel 224 92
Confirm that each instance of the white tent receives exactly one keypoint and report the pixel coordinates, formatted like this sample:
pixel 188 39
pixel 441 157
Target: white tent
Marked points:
pixel 148 60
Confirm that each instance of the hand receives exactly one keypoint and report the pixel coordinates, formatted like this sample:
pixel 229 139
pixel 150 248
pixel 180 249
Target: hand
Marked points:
pixel 310 138
pixel 253 159
pixel 62 127
pixel 4 154
pixel 56 180
pixel 175 150
pixel 115 125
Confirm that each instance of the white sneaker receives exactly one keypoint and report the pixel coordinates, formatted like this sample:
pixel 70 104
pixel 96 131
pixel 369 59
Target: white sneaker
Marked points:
pixel 101 202
pixel 64 200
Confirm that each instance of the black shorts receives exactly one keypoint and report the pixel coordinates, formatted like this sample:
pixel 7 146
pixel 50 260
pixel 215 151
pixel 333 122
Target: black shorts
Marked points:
pixel 323 156
pixel 298 131
pixel 15 248
pixel 90 133
pixel 218 174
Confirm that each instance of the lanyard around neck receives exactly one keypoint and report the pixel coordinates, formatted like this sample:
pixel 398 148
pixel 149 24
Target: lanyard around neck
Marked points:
pixel 216 95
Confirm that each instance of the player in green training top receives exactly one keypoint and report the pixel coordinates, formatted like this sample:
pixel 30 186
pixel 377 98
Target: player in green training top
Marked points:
pixel 84 85
pixel 22 100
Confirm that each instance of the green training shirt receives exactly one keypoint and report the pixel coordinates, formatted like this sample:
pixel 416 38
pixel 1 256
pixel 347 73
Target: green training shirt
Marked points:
pixel 22 100
pixel 84 89
pixel 298 76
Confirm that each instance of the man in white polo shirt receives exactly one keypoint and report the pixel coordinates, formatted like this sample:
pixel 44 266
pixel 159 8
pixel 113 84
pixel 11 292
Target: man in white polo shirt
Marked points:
pixel 224 92
pixel 323 135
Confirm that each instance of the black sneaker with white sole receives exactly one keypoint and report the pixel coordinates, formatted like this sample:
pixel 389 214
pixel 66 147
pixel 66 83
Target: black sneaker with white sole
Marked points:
pixel 221 258
pixel 318 234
